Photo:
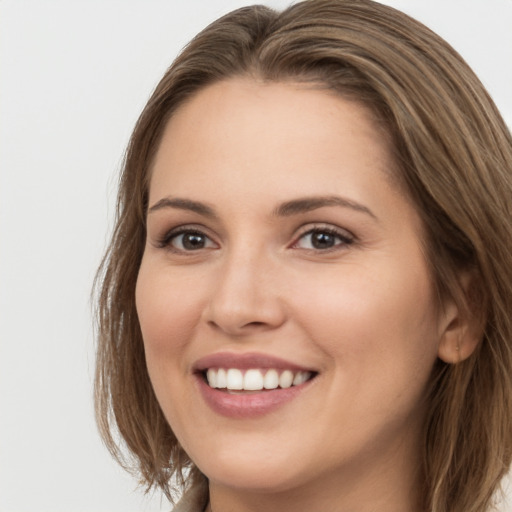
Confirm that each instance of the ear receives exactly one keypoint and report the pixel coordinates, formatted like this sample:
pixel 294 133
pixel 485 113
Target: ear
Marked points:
pixel 462 323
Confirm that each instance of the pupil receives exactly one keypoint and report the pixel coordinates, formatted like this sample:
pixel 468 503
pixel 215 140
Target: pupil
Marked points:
pixel 193 241
pixel 322 240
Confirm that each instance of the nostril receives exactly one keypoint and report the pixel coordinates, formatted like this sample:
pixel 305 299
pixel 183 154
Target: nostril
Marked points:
pixel 238 329
pixel 238 311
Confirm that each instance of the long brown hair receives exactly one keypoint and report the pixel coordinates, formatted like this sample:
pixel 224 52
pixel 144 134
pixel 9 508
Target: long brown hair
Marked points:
pixel 454 154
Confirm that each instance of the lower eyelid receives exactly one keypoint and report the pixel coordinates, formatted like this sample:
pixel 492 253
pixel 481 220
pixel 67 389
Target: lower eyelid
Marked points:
pixel 343 236
pixel 208 242
pixel 165 241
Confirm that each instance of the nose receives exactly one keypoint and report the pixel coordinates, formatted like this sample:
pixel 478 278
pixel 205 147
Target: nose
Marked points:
pixel 248 296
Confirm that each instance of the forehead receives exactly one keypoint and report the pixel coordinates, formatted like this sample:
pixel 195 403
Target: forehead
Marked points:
pixel 238 123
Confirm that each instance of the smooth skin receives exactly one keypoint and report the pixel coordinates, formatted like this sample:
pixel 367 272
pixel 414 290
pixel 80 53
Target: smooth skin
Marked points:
pixel 236 261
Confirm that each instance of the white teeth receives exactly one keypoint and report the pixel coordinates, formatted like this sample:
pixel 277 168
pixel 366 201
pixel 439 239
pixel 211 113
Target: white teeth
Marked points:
pixel 234 379
pixel 221 379
pixel 300 378
pixel 211 376
pixel 254 379
pixel 286 379
pixel 271 380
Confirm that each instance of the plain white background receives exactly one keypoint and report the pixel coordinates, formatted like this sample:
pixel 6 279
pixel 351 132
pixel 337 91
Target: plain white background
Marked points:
pixel 74 76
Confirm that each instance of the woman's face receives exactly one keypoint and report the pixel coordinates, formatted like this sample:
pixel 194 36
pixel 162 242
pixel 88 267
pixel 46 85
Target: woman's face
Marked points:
pixel 280 249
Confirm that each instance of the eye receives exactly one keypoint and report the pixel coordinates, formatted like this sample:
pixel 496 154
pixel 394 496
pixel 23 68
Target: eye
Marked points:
pixel 186 240
pixel 323 239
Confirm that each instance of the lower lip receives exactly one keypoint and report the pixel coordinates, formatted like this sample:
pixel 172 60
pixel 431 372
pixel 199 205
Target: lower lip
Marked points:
pixel 248 405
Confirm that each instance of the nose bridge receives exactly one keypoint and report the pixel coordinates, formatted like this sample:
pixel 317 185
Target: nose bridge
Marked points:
pixel 246 292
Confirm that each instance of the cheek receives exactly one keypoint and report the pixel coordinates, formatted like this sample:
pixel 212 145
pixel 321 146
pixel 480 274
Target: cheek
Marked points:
pixel 382 317
pixel 167 316
pixel 168 312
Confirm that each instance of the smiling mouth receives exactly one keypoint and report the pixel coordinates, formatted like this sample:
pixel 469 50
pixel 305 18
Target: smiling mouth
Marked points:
pixel 234 380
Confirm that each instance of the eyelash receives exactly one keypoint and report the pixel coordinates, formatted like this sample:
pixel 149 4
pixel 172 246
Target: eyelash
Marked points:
pixel 166 241
pixel 343 237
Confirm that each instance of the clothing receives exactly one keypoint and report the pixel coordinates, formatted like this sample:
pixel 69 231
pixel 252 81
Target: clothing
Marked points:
pixel 194 499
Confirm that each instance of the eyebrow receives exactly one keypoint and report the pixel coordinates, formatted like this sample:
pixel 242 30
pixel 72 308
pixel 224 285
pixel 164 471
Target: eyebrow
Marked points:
pixel 287 209
pixel 307 204
pixel 184 204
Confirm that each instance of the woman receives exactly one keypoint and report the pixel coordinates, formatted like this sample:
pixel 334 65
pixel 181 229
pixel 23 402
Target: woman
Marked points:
pixel 305 304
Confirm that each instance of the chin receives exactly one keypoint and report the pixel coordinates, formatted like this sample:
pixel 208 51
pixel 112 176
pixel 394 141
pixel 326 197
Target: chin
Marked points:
pixel 262 474
pixel 262 481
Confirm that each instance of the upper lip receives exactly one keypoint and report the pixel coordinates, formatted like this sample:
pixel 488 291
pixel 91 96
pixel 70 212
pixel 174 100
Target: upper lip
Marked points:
pixel 245 361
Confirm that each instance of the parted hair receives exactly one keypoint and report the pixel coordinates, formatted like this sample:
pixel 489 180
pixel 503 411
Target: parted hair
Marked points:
pixel 453 156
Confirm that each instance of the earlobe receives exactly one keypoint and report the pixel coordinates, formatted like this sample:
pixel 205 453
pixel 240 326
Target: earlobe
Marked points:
pixel 457 344
pixel 461 327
